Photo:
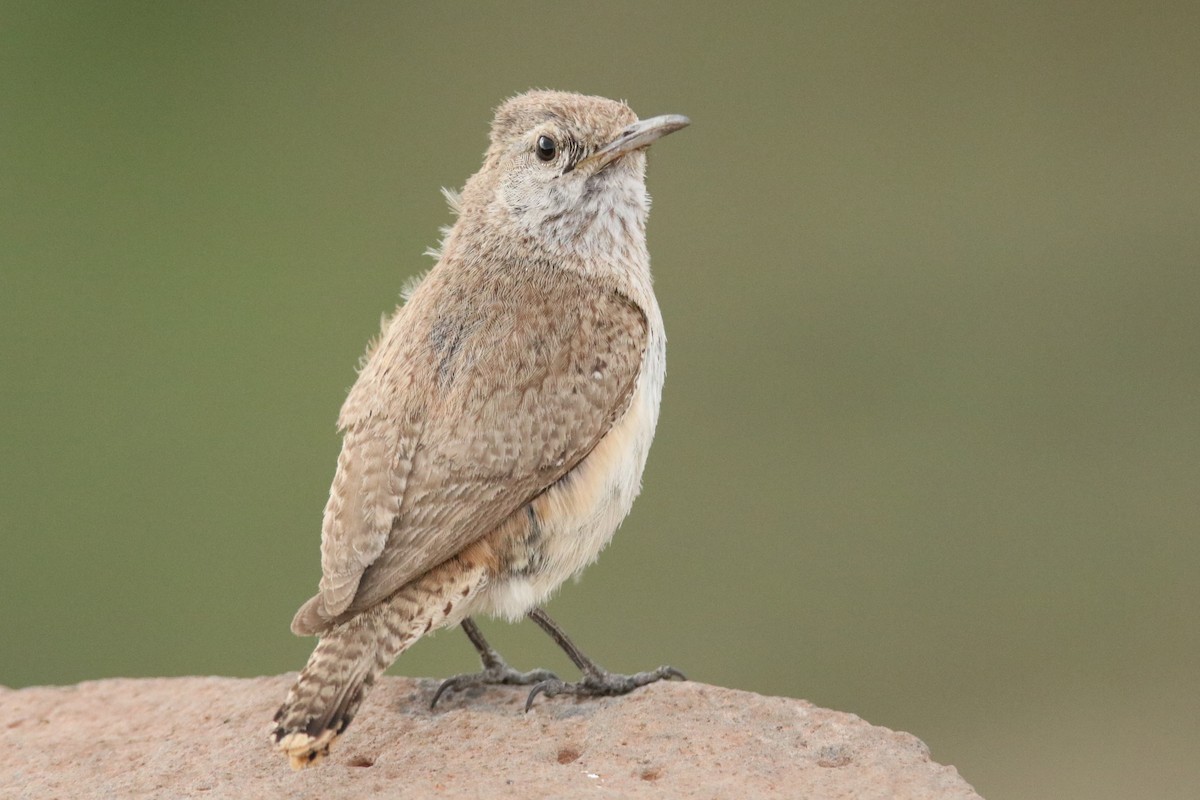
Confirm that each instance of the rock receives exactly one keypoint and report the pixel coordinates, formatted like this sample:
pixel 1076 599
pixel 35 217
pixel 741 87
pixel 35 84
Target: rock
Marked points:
pixel 208 737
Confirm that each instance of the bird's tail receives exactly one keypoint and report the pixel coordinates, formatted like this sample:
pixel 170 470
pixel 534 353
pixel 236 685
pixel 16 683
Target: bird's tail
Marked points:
pixel 351 656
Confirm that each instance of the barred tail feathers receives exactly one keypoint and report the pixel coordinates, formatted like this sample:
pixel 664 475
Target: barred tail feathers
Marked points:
pixel 351 656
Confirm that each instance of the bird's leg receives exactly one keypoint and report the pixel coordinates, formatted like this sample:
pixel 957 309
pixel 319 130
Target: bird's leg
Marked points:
pixel 495 670
pixel 596 681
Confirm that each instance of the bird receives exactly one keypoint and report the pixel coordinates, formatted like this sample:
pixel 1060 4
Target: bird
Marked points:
pixel 498 429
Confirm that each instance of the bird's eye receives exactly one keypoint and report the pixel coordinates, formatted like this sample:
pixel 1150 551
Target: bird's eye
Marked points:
pixel 546 148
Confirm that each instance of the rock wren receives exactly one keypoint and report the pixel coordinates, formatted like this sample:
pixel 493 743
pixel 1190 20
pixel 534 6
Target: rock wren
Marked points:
pixel 497 432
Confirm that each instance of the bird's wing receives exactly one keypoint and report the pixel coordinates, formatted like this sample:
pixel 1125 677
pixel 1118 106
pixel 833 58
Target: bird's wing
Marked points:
pixel 472 404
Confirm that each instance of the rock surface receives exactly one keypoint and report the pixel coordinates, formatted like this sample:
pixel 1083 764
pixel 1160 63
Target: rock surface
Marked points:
pixel 207 737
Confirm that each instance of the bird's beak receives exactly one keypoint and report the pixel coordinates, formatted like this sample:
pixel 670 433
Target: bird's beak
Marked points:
pixel 639 135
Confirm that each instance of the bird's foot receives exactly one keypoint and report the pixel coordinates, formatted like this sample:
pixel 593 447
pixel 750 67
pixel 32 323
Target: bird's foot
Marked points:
pixel 497 673
pixel 602 683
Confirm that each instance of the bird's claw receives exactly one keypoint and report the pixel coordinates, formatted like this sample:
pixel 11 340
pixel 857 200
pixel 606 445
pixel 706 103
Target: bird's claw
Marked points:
pixel 500 674
pixel 602 684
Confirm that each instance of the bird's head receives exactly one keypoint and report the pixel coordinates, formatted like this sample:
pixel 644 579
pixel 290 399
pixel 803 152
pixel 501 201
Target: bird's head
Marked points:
pixel 566 171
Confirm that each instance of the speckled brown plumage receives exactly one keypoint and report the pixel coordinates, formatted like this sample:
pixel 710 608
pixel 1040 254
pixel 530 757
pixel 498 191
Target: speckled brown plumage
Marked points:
pixel 497 431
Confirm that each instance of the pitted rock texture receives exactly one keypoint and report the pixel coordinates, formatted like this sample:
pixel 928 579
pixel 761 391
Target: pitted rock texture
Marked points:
pixel 208 737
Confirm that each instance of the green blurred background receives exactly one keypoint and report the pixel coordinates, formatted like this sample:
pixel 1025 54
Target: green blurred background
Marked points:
pixel 930 442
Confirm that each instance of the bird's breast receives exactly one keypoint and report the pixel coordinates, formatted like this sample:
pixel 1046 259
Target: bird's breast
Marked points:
pixel 568 525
